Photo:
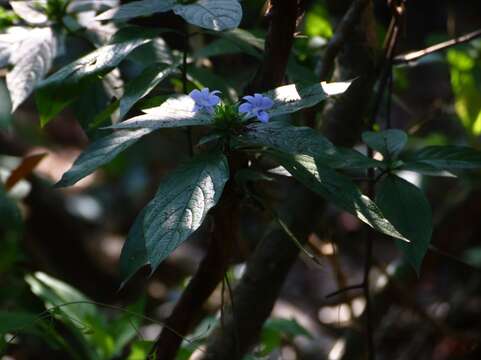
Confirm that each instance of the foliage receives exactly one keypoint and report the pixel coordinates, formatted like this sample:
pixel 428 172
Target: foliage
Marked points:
pixel 260 127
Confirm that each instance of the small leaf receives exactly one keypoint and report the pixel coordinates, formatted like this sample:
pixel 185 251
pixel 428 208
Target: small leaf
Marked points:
pixel 30 11
pixel 218 15
pixel 181 204
pixel 58 90
pixel 431 159
pixel 55 293
pixel 134 253
pixel 388 142
pixel 32 60
pixel 174 112
pixel 28 164
pixel 136 9
pixel 336 188
pixel 288 327
pixel 143 85
pixel 100 153
pixel 406 207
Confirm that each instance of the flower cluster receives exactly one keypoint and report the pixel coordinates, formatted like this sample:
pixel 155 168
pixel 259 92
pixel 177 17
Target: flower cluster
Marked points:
pixel 254 106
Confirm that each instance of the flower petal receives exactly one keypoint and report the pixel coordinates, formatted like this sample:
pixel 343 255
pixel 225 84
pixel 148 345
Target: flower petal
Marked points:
pixel 245 108
pixel 213 100
pixel 195 94
pixel 267 103
pixel 248 98
pixel 263 116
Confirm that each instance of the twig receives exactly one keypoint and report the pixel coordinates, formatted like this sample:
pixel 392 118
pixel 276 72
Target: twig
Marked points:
pixel 345 289
pixel 418 54
pixel 385 72
pixel 336 43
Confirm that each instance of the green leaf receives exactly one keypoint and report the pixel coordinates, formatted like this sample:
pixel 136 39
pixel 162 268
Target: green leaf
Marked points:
pixel 137 9
pixel 181 204
pixel 32 11
pixel 56 293
pixel 140 349
pixel 232 42
pixel 174 112
pixel 388 142
pixel 218 15
pixel 99 153
pixel 58 90
pixel 11 321
pixel 32 60
pixel 77 311
pixel 124 328
pixel 431 159
pixel 288 327
pixel 303 140
pixel 143 85
pixel 285 137
pixel 134 252
pixel 291 98
pixel 337 189
pixel 406 207
pixel 465 84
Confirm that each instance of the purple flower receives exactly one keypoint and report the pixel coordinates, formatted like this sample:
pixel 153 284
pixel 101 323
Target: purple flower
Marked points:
pixel 205 99
pixel 256 106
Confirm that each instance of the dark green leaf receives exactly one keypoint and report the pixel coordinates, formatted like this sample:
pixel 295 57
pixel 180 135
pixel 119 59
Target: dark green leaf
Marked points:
pixel 406 207
pixel 143 85
pixel 181 204
pixel 288 327
pixel 134 253
pixel 11 321
pixel 58 90
pixel 431 159
pixel 99 153
pixel 388 142
pixel 174 112
pixel 285 137
pixel 137 9
pixel 336 188
pixel 218 15
pixel 291 98
pixel 303 140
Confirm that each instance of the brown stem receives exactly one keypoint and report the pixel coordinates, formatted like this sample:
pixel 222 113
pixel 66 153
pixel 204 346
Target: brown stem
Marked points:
pixel 209 274
pixel 283 15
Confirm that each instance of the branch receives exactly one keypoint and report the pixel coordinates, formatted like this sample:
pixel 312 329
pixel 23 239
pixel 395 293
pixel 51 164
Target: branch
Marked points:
pixel 337 41
pixel 209 274
pixel 416 55
pixel 280 37
pixel 268 267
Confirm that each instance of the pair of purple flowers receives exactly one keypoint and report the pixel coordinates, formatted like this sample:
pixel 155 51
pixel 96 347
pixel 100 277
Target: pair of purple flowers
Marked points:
pixel 254 106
